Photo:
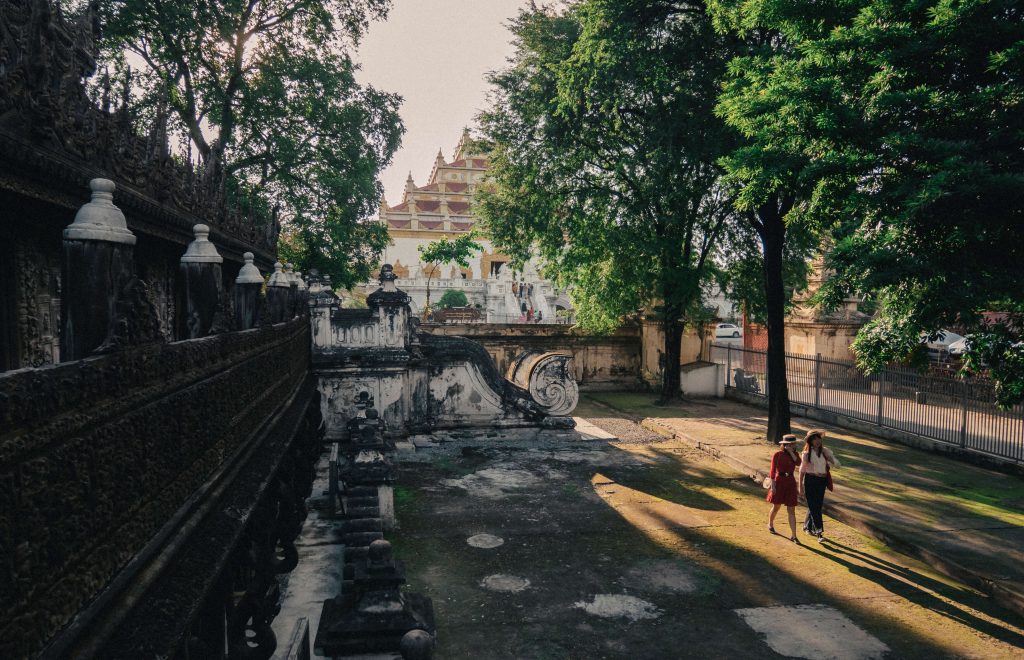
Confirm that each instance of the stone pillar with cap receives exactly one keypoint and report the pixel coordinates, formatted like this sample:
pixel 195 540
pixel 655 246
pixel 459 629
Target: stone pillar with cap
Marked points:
pixel 302 295
pixel 247 293
pixel 97 263
pixel 199 285
pixel 279 288
pixel 293 291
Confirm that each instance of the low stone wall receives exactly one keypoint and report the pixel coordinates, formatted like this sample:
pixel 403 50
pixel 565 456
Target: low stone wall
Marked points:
pixel 599 362
pixel 101 458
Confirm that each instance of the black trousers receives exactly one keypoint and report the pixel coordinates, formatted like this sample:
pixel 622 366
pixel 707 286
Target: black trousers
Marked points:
pixel 814 491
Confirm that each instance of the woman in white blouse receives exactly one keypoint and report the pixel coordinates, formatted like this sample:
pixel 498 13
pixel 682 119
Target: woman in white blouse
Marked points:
pixel 815 477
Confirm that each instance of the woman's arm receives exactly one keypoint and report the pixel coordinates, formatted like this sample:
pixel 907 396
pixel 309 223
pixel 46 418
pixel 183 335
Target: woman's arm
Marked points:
pixel 831 458
pixel 773 471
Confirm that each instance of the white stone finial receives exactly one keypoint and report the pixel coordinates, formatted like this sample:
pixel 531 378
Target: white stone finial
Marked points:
pixel 249 274
pixel 99 219
pixel 279 277
pixel 301 282
pixel 201 250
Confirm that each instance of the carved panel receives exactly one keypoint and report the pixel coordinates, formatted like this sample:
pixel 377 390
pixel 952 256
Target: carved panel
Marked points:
pixel 97 454
pixel 38 305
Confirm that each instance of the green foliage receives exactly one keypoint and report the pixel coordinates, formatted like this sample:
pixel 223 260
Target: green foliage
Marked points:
pixel 902 121
pixel 604 154
pixel 446 250
pixel 265 92
pixel 453 298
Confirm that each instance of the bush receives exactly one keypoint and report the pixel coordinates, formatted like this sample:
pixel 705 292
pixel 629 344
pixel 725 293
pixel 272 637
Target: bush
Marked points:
pixel 453 298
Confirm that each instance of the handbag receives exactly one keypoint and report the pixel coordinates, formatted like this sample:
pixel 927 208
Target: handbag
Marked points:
pixel 767 483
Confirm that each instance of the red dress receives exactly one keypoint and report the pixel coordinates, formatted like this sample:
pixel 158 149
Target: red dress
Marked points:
pixel 783 471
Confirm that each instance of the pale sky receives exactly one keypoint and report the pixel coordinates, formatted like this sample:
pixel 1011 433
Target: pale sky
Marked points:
pixel 435 54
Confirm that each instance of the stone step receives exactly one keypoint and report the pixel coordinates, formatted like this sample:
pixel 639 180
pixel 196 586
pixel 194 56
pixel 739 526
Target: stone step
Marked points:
pixel 355 512
pixel 361 538
pixel 362 501
pixel 369 524
pixel 361 491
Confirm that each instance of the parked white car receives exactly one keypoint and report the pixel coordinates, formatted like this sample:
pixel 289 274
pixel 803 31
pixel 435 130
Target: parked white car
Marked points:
pixel 958 347
pixel 943 341
pixel 727 330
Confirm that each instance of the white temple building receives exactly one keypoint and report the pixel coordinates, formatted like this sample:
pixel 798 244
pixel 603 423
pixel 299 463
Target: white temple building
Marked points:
pixel 443 207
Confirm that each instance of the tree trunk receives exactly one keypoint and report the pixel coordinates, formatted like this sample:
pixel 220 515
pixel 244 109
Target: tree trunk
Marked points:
pixel 673 329
pixel 773 238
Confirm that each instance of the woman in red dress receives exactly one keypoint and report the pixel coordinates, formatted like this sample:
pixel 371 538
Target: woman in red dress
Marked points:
pixel 784 489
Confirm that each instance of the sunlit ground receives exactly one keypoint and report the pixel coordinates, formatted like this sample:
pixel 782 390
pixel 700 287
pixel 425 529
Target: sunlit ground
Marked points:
pixel 638 550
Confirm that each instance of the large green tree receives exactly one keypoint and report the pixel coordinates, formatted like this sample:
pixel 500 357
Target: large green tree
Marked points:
pixel 904 119
pixel 767 187
pixel 605 157
pixel 264 91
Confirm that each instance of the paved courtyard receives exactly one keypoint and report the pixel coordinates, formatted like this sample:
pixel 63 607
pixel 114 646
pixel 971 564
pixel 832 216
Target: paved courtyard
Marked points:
pixel 648 548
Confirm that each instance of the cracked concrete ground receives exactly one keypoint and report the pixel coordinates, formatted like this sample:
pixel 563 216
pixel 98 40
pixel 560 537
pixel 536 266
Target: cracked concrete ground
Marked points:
pixel 651 549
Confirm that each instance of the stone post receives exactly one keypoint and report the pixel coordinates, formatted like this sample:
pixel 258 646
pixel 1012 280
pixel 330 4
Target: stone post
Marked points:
pixel 199 285
pixel 247 293
pixel 293 291
pixel 302 295
pixel 278 291
pixel 97 263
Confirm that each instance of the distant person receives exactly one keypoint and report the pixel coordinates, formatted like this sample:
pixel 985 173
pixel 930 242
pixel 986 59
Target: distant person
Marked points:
pixel 529 290
pixel 538 316
pixel 815 477
pixel 529 315
pixel 515 288
pixel 783 490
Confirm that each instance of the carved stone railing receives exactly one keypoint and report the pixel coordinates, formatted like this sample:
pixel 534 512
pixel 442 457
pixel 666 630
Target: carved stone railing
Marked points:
pixel 422 382
pixel 104 460
pixel 53 137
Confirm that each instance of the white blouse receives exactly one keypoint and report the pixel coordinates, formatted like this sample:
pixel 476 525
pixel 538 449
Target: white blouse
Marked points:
pixel 811 463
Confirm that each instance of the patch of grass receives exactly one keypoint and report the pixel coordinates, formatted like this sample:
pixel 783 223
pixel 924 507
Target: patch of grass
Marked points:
pixel 570 490
pixel 641 404
pixel 404 496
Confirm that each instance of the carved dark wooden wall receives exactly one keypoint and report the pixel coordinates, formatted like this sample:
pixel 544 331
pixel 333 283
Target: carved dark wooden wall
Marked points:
pixel 99 455
pixel 54 138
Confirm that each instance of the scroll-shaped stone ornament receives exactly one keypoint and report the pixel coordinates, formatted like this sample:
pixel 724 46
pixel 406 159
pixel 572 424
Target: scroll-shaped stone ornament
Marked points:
pixel 548 377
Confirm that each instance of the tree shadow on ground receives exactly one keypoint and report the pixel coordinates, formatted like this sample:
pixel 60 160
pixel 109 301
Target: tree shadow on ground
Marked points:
pixel 919 590
pixel 749 571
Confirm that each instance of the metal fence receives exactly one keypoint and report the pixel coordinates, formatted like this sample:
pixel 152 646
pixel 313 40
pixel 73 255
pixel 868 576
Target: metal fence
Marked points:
pixel 957 411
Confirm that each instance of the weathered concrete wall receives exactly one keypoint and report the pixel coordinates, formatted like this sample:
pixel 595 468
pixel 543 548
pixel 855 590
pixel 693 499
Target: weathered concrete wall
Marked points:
pixel 653 349
pixel 598 362
pixel 703 379
pixel 830 340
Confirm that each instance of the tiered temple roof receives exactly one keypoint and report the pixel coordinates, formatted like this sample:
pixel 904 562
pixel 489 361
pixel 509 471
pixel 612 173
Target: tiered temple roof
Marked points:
pixel 443 204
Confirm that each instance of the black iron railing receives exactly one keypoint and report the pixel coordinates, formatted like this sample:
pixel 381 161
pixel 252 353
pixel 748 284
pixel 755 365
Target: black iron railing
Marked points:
pixel 957 411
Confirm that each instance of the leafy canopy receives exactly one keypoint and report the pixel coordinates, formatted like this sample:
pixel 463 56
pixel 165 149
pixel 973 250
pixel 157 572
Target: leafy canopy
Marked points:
pixel 903 119
pixel 265 92
pixel 604 153
pixel 446 250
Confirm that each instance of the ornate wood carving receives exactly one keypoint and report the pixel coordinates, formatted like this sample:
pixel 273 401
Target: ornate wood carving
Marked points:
pixel 54 133
pixel 97 455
